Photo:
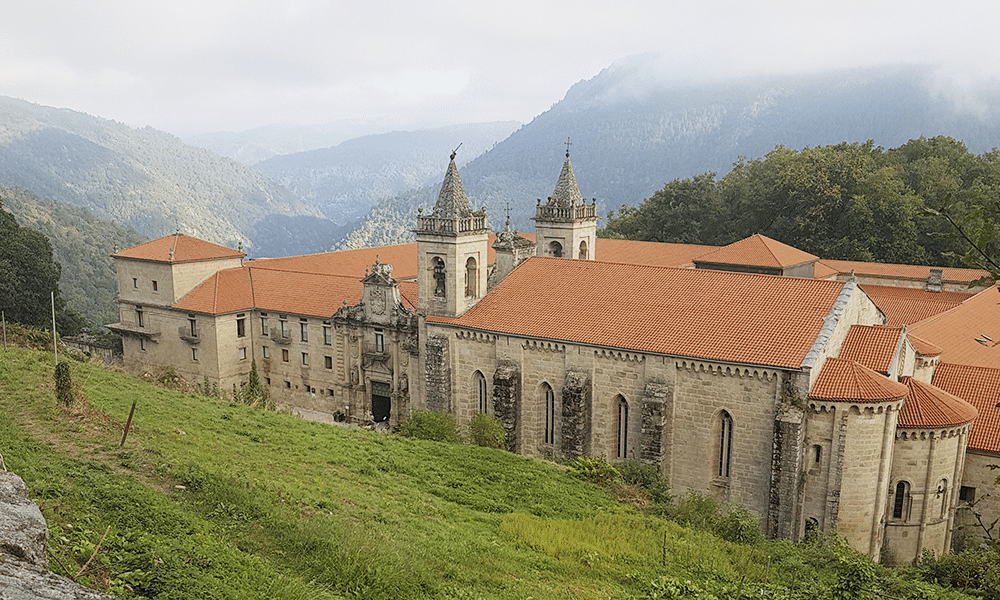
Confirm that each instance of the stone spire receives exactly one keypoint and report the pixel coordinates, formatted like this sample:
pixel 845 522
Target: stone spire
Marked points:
pixel 566 194
pixel 452 201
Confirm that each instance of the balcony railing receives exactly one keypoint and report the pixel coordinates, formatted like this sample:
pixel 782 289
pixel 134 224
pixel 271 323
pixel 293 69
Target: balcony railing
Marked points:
pixel 476 222
pixel 565 213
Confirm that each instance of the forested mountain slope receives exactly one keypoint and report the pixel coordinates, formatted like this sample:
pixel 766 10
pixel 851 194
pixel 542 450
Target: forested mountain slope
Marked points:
pixel 631 133
pixel 344 181
pixel 140 178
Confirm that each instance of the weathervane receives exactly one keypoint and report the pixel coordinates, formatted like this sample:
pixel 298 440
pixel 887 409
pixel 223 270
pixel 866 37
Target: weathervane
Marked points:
pixel 568 144
pixel 455 151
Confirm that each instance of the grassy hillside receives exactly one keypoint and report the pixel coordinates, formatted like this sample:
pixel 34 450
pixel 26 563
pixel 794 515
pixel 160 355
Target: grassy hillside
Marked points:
pixel 214 500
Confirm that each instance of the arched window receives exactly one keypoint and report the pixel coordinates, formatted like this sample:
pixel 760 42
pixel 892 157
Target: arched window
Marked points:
pixel 583 250
pixel 622 452
pixel 471 278
pixel 942 493
pixel 555 249
pixel 438 276
pixel 479 388
pixel 899 500
pixel 549 398
pixel 725 444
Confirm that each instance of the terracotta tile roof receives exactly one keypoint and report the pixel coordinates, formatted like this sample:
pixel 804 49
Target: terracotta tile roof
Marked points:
pixel 871 346
pixel 848 381
pixel 904 306
pixel 758 251
pixel 294 292
pixel 922 346
pixel 353 263
pixel 913 272
pixel 821 270
pixel 929 407
pixel 649 253
pixel 955 331
pixel 980 387
pixel 185 249
pixel 713 315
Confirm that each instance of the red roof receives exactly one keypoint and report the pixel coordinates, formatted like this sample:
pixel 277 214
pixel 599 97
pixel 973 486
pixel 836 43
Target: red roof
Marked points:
pixel 904 306
pixel 871 346
pixel 649 253
pixel 247 288
pixel 848 381
pixel 913 272
pixel 184 248
pixel 980 387
pixel 955 331
pixel 353 263
pixel 758 251
pixel 929 407
pixel 922 346
pixel 713 315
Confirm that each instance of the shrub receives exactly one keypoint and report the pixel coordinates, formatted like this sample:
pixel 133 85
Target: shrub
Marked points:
pixel 430 425
pixel 647 477
pixel 595 469
pixel 739 526
pixel 64 384
pixel 486 430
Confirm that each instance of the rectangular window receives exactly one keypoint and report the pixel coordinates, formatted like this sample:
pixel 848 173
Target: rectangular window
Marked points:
pixel 193 323
pixel 140 321
pixel 288 385
pixel 194 354
pixel 284 355
pixel 241 327
pixel 327 335
pixel 379 341
pixel 135 282
pixel 329 392
pixel 284 327
pixel 328 362
pixel 154 285
pixel 263 324
pixel 243 353
pixel 142 344
pixel 265 352
pixel 303 330
pixel 305 358
pixel 966 494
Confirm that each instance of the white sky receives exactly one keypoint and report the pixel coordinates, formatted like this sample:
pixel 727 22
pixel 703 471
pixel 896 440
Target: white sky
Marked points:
pixel 194 66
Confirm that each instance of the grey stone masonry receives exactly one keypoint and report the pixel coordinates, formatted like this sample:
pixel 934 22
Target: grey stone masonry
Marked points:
pixel 507 400
pixel 786 464
pixel 576 407
pixel 438 374
pixel 653 421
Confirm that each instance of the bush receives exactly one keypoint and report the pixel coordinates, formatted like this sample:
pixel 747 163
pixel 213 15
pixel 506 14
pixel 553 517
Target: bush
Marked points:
pixel 430 425
pixel 740 527
pixel 647 477
pixel 486 430
pixel 64 384
pixel 595 469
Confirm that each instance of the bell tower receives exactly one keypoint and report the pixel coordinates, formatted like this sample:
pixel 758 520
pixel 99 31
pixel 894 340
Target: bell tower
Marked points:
pixel 451 251
pixel 566 225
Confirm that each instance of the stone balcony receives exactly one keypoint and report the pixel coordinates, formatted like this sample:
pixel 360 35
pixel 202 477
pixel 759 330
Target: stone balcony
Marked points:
pixel 544 212
pixel 474 223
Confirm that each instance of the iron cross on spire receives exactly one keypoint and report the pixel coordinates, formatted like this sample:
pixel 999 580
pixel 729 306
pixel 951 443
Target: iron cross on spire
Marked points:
pixel 568 144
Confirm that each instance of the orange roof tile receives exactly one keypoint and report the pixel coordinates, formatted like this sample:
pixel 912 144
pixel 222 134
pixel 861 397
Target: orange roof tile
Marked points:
pixel 922 346
pixel 648 253
pixel 904 306
pixel 913 272
pixel 980 387
pixel 758 251
pixel 713 315
pixel 929 407
pixel 848 381
pixel 871 346
pixel 821 270
pixel 246 288
pixel 185 249
pixel 353 263
pixel 955 331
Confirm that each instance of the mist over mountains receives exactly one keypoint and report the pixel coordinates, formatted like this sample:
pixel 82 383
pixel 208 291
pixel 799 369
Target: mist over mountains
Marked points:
pixel 631 132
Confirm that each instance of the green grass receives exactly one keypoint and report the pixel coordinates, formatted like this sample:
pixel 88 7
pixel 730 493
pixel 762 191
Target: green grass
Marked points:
pixel 213 500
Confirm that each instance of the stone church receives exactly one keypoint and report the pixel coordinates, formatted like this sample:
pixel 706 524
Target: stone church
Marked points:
pixel 819 394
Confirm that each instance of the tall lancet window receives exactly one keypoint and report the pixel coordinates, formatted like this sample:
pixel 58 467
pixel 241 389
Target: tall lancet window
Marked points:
pixel 438 276
pixel 549 398
pixel 725 442
pixel 622 428
pixel 471 278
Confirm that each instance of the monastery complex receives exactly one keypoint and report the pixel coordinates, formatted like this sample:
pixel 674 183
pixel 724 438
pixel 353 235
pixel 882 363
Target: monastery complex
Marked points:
pixel 840 396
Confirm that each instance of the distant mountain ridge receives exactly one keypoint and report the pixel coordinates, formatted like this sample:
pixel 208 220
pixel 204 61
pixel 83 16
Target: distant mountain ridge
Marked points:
pixel 630 133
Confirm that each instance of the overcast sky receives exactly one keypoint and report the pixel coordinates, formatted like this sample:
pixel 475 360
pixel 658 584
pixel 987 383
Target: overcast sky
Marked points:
pixel 225 65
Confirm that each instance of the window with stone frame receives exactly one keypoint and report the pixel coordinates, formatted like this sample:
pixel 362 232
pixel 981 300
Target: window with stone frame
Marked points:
pixel 724 445
pixel 583 250
pixel 439 276
pixel 549 401
pixel 622 437
pixel 263 325
pixel 555 249
pixel 471 278
pixel 303 330
pixel 901 501
pixel 480 390
pixel 241 326
pixel 327 335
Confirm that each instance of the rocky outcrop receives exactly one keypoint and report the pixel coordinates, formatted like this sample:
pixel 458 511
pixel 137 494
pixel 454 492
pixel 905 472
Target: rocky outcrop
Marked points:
pixel 24 573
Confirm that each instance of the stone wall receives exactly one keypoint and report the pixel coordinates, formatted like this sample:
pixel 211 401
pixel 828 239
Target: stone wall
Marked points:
pixel 438 373
pixel 576 410
pixel 507 400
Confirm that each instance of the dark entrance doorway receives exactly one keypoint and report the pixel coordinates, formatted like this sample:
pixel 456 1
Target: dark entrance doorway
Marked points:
pixel 381 403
